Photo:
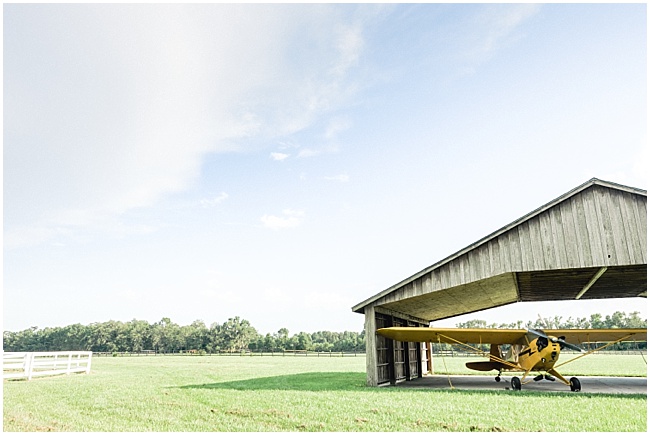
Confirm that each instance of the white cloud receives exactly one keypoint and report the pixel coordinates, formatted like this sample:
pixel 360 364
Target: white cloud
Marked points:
pixel 310 152
pixel 343 178
pixel 116 115
pixel 206 203
pixel 336 126
pixel 329 148
pixel 492 27
pixel 278 157
pixel 350 43
pixel 283 145
pixel 289 219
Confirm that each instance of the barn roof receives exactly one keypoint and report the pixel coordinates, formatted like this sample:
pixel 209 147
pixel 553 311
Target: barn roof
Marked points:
pixel 564 243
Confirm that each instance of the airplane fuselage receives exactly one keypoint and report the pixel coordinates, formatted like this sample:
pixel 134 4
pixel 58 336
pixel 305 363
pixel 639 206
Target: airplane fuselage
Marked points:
pixel 540 355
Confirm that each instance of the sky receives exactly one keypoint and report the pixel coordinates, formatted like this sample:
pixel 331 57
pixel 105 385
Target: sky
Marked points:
pixel 282 163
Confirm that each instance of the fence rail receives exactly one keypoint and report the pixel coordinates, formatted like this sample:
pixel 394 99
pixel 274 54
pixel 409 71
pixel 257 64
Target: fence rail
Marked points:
pixel 16 365
pixel 287 353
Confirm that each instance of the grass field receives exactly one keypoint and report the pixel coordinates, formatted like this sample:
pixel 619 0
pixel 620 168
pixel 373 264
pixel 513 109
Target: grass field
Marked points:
pixel 219 393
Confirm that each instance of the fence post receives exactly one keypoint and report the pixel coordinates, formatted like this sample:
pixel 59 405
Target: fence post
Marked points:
pixel 29 357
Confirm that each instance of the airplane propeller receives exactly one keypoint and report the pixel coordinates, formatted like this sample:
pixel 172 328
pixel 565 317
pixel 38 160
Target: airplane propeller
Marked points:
pixel 552 339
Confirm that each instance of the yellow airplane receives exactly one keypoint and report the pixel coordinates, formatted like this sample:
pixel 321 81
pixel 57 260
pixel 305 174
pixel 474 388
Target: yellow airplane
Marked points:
pixel 531 350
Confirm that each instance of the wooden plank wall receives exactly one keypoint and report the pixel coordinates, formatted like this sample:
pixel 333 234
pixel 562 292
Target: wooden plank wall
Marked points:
pixel 596 227
pixel 395 361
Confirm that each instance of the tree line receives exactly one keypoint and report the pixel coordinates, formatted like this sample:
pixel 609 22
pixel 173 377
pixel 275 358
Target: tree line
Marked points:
pixel 238 334
pixel 595 321
pixel 165 336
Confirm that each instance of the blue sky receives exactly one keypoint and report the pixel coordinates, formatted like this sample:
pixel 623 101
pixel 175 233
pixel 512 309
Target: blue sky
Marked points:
pixel 282 163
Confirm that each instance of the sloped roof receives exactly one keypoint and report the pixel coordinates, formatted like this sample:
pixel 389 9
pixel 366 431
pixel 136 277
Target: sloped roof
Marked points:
pixel 593 182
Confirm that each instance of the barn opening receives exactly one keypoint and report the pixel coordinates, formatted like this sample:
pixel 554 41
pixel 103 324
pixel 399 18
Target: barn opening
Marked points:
pixel 589 243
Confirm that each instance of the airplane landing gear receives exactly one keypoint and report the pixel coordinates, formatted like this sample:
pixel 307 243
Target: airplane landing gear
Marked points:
pixel 574 383
pixel 515 383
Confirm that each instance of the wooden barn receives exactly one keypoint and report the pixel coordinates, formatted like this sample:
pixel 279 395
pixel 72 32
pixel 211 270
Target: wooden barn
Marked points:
pixel 590 243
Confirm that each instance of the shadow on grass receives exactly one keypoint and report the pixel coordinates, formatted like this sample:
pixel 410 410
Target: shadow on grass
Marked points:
pixel 316 381
pixel 355 381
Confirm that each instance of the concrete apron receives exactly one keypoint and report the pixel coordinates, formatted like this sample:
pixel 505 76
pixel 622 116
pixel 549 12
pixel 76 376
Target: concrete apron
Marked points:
pixel 590 384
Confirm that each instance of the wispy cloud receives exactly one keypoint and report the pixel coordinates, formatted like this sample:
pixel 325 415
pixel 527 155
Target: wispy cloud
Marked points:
pixel 167 94
pixel 337 126
pixel 492 28
pixel 343 178
pixel 350 44
pixel 289 219
pixel 278 157
pixel 327 148
pixel 211 202
pixel 284 145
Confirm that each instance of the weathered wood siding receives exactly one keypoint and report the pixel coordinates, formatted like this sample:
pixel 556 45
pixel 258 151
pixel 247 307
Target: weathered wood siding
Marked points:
pixel 596 227
pixel 392 361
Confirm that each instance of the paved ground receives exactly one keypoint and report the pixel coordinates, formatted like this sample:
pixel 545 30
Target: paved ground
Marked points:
pixel 590 384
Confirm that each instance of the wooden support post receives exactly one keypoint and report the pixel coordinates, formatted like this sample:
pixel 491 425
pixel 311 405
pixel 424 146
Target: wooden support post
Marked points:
pixel 407 360
pixel 419 357
pixel 372 377
pixel 391 362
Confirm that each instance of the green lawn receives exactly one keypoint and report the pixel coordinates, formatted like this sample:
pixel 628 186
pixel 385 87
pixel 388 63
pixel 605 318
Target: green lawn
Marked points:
pixel 230 393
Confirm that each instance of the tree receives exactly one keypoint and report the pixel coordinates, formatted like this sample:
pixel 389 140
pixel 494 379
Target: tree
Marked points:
pixel 139 336
pixel 596 321
pixel 195 335
pixel 282 339
pixel 303 342
pixel 634 321
pixel 472 324
pixel 166 336
pixel 237 334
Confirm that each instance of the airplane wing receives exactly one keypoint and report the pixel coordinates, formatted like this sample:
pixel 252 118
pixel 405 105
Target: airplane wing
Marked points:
pixel 599 335
pixel 506 336
pixel 454 335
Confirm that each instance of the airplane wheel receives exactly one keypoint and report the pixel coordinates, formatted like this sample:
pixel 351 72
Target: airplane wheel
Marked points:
pixel 498 379
pixel 574 384
pixel 515 383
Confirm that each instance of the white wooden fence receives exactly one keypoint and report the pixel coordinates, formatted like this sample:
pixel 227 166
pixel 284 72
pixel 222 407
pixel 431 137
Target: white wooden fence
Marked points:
pixel 31 364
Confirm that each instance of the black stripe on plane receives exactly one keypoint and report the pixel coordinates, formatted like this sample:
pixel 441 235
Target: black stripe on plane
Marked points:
pixel 527 352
